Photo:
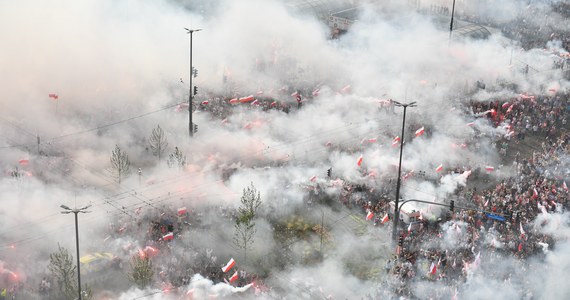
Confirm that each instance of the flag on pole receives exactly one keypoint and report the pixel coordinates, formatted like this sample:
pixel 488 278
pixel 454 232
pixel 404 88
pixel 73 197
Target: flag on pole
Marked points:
pixel 385 219
pixel 182 211
pixel 168 237
pixel 359 161
pixel 420 131
pixel 439 168
pixel 345 89
pixel 522 231
pixel 53 96
pixel 369 215
pixel 395 141
pixel 229 265
pixel 433 268
pixel 410 228
pixel 234 277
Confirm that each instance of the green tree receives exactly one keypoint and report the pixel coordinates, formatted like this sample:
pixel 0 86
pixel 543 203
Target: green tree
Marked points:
pixel 120 164
pixel 158 142
pixel 64 271
pixel 176 158
pixel 244 235
pixel 141 271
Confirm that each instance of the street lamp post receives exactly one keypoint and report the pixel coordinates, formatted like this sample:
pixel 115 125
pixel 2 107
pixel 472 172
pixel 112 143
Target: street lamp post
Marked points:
pixel 190 127
pixel 76 211
pixel 398 182
pixel 451 24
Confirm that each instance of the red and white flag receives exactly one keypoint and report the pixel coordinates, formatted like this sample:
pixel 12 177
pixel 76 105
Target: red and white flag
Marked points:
pixel 372 140
pixel 534 193
pixel 206 102
pixel 182 211
pixel 395 141
pixel 359 161
pixel 316 92
pixel 439 168
pixel 385 219
pixel 255 102
pixel 234 277
pixel 489 168
pixel 505 105
pixel 313 179
pixel 410 228
pixel 523 236
pixel 246 99
pixel 53 96
pixel 564 186
pixel 470 124
pixel 168 237
pixel 433 268
pixel 229 265
pixel 420 131
pixel 369 215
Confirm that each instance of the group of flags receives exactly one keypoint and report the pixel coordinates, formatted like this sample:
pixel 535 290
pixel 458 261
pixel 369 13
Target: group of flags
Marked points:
pixel 370 215
pixel 228 267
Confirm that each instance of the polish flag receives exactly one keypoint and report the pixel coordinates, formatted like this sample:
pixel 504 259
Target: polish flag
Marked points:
pixel 313 179
pixel 470 124
pixel 522 231
pixel 53 96
pixel 234 277
pixel 246 99
pixel 505 105
pixel 23 162
pixel 168 237
pixel 486 203
pixel 316 92
pixel 359 161
pixel 420 131
pixel 372 140
pixel 410 228
pixel 489 169
pixel 433 268
pixel 369 215
pixel 385 219
pixel 229 265
pixel 182 211
pixel 439 168
pixel 273 104
pixel 534 193
pixel 205 102
pixel 395 141
pixel 345 89
pixel 295 94
pixel 564 186
pixel 255 102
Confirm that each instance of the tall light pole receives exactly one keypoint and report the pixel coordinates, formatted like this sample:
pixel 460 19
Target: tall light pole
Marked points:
pixel 190 127
pixel 399 180
pixel 451 24
pixel 76 211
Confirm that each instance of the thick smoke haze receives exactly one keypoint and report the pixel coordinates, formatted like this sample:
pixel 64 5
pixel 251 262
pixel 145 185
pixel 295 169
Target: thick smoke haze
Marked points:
pixel 120 68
